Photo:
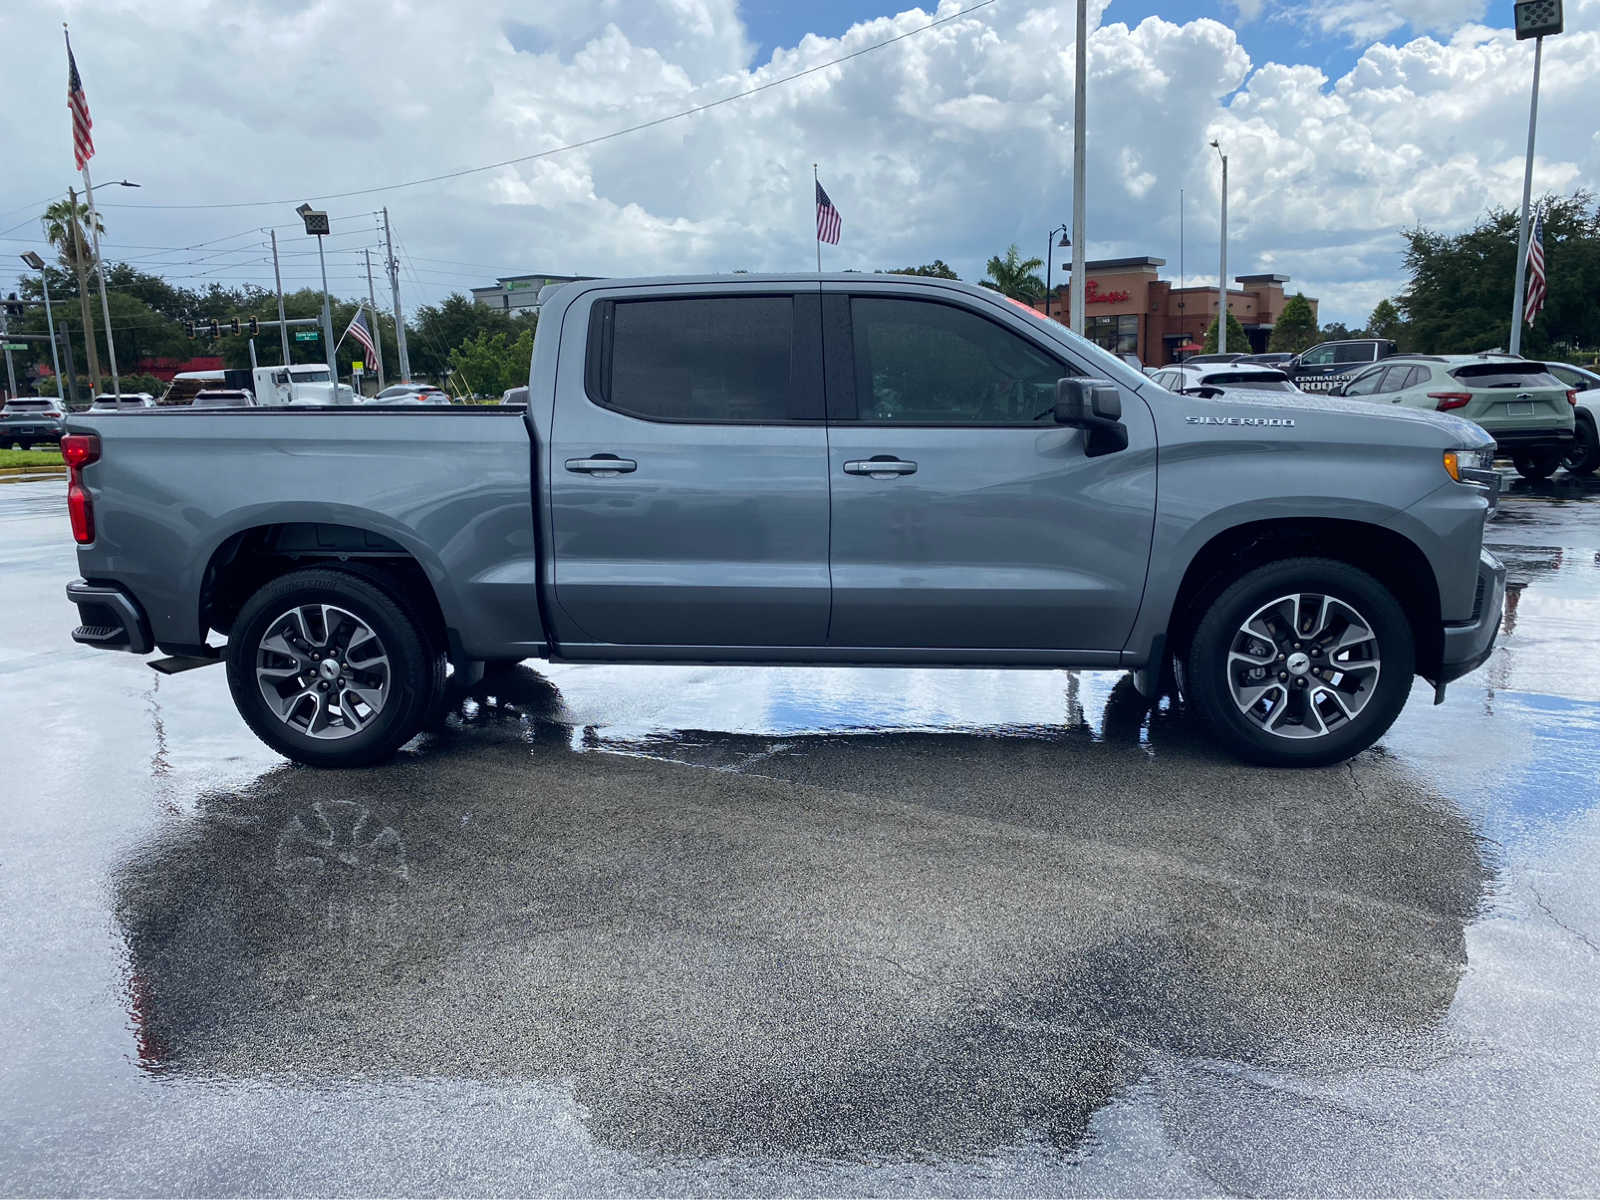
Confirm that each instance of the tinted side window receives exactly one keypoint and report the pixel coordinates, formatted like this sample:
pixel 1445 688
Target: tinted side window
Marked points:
pixel 922 363
pixel 1319 357
pixel 1363 385
pixel 1355 352
pixel 713 358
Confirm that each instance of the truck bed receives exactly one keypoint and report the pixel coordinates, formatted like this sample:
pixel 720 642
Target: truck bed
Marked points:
pixel 450 488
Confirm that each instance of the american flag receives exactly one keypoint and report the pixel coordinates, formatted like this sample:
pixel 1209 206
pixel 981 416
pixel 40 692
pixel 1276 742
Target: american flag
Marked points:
pixel 358 330
pixel 1537 289
pixel 82 139
pixel 828 222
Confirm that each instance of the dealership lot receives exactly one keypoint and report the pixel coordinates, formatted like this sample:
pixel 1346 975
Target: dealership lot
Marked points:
pixel 667 930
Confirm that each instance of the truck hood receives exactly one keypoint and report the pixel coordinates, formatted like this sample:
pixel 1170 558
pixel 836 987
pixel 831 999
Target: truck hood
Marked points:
pixel 1316 414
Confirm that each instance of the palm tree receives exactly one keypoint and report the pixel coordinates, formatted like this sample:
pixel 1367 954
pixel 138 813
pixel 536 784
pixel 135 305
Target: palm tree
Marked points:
pixel 1015 276
pixel 66 227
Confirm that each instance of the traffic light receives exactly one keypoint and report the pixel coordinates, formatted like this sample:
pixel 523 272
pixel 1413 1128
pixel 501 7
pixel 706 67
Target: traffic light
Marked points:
pixel 188 328
pixel 216 328
pixel 255 327
pixel 233 327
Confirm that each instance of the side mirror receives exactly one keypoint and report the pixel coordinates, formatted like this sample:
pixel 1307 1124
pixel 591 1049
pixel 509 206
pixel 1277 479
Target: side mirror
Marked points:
pixel 1095 406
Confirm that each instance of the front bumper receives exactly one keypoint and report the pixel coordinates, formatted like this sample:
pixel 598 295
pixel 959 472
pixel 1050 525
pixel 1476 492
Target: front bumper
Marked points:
pixel 1468 644
pixel 111 618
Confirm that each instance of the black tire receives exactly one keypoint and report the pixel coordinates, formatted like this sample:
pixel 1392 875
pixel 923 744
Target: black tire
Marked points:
pixel 415 674
pixel 24 445
pixel 1584 456
pixel 1208 684
pixel 1537 466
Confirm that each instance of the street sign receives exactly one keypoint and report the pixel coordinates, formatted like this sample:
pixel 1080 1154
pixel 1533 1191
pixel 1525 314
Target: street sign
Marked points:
pixel 307 335
pixel 16 345
pixel 358 365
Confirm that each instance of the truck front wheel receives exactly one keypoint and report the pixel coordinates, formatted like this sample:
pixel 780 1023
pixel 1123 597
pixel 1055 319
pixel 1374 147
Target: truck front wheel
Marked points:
pixel 1302 662
pixel 330 669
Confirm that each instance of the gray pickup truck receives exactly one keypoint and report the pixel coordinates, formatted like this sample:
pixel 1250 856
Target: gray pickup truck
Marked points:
pixel 845 469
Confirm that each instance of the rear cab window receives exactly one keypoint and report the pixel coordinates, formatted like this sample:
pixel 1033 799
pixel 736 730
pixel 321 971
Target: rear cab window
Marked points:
pixel 702 359
pixel 1256 381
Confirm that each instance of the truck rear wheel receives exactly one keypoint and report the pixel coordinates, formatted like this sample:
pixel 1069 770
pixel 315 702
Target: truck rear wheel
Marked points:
pixel 1302 662
pixel 331 669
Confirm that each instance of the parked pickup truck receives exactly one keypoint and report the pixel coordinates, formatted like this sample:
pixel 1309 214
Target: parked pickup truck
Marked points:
pixel 842 469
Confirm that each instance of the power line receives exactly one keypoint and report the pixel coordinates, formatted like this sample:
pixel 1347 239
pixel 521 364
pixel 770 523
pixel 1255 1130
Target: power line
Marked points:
pixel 597 139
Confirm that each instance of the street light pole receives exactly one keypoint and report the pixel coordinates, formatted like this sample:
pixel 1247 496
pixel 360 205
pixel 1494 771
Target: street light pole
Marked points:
pixel 277 282
pixel 317 226
pixel 1534 19
pixel 1518 292
pixel 37 263
pixel 1079 107
pixel 1050 248
pixel 1222 276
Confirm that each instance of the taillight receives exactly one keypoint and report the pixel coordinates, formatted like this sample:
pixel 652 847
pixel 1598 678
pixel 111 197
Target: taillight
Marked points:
pixel 1448 400
pixel 79 450
pixel 1572 397
pixel 54 416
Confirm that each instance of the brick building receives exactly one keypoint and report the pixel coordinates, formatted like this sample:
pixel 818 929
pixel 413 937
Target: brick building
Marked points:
pixel 1131 310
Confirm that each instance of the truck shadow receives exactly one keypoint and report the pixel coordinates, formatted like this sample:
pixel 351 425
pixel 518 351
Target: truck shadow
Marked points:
pixel 866 947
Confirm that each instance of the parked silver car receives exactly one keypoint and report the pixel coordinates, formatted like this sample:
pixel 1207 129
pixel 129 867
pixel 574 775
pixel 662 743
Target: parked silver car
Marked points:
pixel 27 421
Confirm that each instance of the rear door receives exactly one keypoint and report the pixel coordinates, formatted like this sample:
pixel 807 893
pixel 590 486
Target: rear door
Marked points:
pixel 688 475
pixel 963 517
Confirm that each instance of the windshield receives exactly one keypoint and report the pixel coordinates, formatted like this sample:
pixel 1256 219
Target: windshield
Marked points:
pixel 311 376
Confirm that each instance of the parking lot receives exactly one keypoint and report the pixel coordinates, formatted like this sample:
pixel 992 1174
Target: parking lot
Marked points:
pixel 682 930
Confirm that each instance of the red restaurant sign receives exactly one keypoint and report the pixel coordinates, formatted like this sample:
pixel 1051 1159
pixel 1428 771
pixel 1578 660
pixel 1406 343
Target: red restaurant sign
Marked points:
pixel 1093 295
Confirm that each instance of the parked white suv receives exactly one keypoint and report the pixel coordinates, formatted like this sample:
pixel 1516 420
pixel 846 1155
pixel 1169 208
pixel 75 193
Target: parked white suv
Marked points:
pixel 1584 456
pixel 1219 379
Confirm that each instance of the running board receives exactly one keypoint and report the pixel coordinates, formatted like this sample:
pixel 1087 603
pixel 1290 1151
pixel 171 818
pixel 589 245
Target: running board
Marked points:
pixel 184 662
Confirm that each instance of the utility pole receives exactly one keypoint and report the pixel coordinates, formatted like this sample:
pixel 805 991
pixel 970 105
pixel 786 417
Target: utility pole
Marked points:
pixel 394 288
pixel 277 280
pixel 92 350
pixel 377 326
pixel 11 371
pixel 1075 300
pixel 1222 277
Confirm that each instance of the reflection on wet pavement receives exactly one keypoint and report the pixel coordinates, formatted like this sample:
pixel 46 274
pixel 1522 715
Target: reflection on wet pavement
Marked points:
pixel 769 930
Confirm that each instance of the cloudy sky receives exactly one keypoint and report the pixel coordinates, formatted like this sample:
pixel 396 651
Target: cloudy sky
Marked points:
pixel 1345 121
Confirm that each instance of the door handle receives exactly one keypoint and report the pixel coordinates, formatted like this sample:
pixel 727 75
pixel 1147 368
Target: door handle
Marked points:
pixel 880 466
pixel 602 464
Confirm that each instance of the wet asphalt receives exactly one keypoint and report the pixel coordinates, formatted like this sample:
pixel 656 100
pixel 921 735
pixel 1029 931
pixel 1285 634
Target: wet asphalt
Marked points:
pixel 760 931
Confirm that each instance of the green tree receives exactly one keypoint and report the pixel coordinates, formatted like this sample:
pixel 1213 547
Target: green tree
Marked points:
pixel 1386 322
pixel 1337 331
pixel 1459 296
pixel 490 363
pixel 937 269
pixel 1296 328
pixel 1237 341
pixel 1015 276
pixel 67 228
pixel 441 328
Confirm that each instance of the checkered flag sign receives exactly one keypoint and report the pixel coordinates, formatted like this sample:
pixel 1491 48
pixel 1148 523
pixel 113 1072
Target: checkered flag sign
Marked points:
pixel 1537 18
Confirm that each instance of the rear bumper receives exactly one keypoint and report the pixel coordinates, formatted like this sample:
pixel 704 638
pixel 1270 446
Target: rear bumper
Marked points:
pixel 110 617
pixel 1469 643
pixel 1530 441
pixel 33 431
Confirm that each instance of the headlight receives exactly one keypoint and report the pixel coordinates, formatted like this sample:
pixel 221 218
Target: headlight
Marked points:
pixel 1458 462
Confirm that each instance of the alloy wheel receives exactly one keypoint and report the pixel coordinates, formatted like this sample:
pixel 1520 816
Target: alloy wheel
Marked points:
pixel 1303 666
pixel 323 671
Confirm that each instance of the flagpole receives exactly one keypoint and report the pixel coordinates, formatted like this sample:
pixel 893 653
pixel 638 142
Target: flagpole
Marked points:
pixel 1517 297
pixel 99 265
pixel 815 184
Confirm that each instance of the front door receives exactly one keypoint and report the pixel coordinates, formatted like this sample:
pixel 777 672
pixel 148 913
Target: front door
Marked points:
pixel 688 473
pixel 963 517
